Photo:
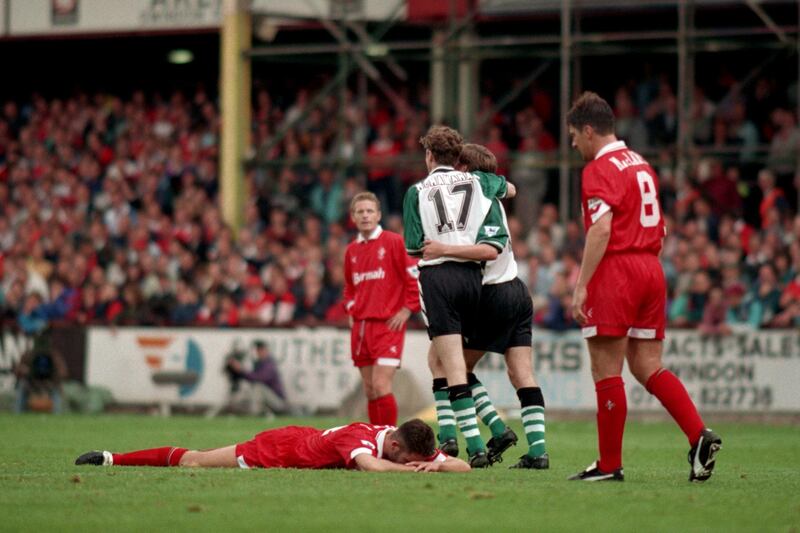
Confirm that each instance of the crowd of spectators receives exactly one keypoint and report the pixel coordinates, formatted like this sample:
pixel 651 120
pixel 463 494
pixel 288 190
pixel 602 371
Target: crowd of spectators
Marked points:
pixel 109 214
pixel 108 205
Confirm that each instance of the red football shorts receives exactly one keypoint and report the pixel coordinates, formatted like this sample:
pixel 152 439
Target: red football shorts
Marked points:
pixel 274 448
pixel 627 296
pixel 373 343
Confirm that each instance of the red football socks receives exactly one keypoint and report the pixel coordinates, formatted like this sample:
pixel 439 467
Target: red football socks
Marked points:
pixel 167 456
pixel 389 409
pixel 612 408
pixel 383 410
pixel 669 390
pixel 372 411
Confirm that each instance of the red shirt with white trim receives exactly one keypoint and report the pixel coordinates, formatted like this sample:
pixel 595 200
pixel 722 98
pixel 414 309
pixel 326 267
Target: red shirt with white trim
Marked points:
pixel 306 447
pixel 380 277
pixel 621 181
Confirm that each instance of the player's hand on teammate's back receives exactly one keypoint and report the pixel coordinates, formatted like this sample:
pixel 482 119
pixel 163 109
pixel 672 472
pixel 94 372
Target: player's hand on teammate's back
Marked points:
pixel 432 250
pixel 578 301
pixel 399 319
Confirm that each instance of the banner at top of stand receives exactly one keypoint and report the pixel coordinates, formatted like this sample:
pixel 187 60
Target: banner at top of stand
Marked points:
pixel 46 18
pixel 64 17
pixel 518 7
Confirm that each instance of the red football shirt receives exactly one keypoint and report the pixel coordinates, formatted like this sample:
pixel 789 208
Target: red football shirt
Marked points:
pixel 305 447
pixel 380 277
pixel 336 447
pixel 621 181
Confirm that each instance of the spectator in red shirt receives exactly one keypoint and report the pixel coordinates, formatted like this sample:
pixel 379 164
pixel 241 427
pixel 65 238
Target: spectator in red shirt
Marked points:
pixel 381 179
pixel 499 148
pixel 228 314
pixel 772 196
pixel 722 189
pixel 257 305
pixel 281 300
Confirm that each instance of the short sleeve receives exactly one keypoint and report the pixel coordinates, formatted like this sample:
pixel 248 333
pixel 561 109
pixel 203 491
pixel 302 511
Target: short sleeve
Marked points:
pixel 438 456
pixel 599 193
pixel 492 185
pixel 413 232
pixel 493 230
pixel 349 443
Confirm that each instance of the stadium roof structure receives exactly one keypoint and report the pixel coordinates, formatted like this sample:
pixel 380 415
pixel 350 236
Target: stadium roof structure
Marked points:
pixel 463 33
pixel 511 7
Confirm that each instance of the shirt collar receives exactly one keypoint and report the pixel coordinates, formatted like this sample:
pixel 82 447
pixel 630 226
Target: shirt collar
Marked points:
pixel 442 168
pixel 610 147
pixel 372 236
pixel 380 438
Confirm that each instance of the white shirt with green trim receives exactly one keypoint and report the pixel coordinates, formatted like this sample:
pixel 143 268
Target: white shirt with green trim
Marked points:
pixel 504 268
pixel 456 208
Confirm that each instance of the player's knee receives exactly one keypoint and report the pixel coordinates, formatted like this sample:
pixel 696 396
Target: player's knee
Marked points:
pixel 601 371
pixel 642 374
pixel 381 387
pixel 369 390
pixel 521 378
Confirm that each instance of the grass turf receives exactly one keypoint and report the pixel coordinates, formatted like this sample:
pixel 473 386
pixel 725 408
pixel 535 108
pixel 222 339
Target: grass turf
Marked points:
pixel 755 487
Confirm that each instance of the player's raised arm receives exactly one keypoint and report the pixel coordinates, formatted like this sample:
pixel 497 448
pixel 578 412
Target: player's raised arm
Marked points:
pixel 492 185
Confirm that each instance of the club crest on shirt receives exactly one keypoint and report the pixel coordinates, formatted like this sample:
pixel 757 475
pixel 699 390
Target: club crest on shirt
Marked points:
pixel 381 253
pixel 353 260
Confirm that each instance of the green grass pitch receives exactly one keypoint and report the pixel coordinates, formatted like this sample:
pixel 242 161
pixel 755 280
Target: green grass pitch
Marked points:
pixel 756 486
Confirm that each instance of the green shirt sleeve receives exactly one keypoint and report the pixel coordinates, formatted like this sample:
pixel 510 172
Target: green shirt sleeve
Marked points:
pixel 493 231
pixel 412 223
pixel 492 185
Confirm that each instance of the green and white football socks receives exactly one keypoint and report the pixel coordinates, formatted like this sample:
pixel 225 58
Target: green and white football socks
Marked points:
pixel 532 402
pixel 444 411
pixel 466 418
pixel 484 407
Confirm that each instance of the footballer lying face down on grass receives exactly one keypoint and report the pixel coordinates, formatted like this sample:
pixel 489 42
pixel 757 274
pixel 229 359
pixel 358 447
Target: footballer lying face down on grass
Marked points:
pixel 408 448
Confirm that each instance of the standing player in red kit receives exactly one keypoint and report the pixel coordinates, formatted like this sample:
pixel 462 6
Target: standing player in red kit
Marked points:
pixel 380 293
pixel 409 448
pixel 620 296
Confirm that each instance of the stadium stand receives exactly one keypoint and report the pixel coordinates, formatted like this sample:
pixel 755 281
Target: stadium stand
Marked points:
pixel 109 205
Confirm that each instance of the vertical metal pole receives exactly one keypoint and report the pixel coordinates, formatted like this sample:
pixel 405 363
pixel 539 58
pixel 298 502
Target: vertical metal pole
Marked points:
pixel 235 87
pixel 797 156
pixel 344 68
pixel 452 48
pixel 566 58
pixel 7 15
pixel 576 86
pixel 685 87
pixel 362 104
pixel 467 85
pixel 577 55
pixel 438 85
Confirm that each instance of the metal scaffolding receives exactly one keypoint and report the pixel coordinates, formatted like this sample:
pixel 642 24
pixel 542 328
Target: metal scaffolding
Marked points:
pixel 455 51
